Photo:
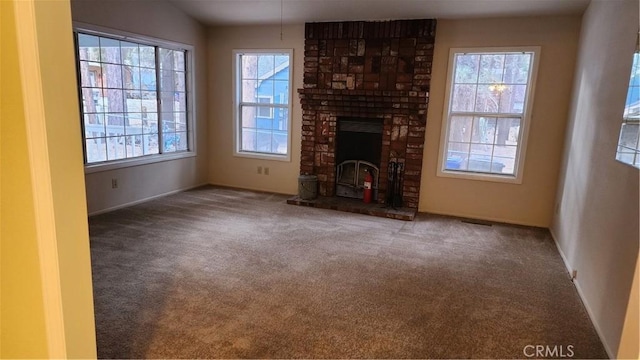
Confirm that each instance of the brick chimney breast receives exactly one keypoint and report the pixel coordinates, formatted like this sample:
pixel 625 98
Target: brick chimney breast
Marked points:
pixel 369 70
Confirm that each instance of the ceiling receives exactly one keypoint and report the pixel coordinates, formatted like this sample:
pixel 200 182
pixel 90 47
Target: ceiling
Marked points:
pixel 261 12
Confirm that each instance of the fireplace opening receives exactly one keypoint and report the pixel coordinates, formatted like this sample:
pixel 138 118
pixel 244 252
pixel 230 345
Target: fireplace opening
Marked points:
pixel 358 151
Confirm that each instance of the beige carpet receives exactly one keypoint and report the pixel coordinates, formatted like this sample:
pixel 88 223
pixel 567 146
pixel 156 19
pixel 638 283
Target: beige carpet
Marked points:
pixel 221 273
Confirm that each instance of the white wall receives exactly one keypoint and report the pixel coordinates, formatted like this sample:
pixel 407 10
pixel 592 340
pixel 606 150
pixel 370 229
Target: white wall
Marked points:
pixel 529 203
pixel 158 19
pixel 597 220
pixel 225 168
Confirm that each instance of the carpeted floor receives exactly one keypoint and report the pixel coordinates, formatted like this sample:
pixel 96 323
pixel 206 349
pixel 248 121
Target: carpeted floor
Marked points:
pixel 222 273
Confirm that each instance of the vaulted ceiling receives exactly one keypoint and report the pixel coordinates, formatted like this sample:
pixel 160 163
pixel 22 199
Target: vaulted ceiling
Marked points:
pixel 261 12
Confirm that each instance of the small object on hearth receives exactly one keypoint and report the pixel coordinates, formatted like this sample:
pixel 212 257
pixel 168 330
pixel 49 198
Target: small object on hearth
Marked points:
pixel 394 191
pixel 307 187
pixel 368 180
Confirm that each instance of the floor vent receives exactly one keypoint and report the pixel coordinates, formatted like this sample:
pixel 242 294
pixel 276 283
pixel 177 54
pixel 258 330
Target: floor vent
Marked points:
pixel 476 222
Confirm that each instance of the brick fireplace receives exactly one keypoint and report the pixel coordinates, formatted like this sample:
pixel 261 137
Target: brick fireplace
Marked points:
pixel 369 71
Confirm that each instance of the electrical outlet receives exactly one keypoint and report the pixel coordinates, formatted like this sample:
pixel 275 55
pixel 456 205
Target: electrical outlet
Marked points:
pixel 574 274
pixel 266 171
pixel 114 183
pixel 259 169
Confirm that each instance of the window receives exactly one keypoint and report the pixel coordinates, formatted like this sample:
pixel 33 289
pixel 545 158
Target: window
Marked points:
pixel 134 96
pixel 486 120
pixel 629 141
pixel 262 103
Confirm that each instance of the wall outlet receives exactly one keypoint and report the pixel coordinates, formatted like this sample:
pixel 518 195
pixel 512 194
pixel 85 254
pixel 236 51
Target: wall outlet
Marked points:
pixel 259 169
pixel 574 274
pixel 266 171
pixel 114 183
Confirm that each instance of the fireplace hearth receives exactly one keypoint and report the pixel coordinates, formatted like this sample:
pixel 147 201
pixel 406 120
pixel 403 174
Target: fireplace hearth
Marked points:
pixel 364 102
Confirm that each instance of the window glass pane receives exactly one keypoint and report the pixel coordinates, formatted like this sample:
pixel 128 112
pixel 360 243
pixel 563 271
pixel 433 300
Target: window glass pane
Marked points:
pixel 629 135
pixel 133 124
pixel 457 155
pixel 281 92
pixel 467 68
pixel 130 54
pixel 179 78
pixel 249 139
pixel 281 119
pixel 112 76
pixel 168 124
pixel 264 140
pixel 92 100
pixel 265 67
pixel 88 47
pixel 463 97
pixel 114 101
pixel 280 142
pixel 96 150
pixel 147 79
pixel 93 126
pixel 249 67
pixel 167 80
pixel 150 144
pixel 178 60
pixel 512 99
pixel 483 130
pixel 90 73
pixel 249 91
pixel 131 77
pixel 147 56
pixel 115 148
pixel 249 116
pixel 265 88
pixel 181 141
pixel 460 129
pixel 491 68
pixel 517 67
pixel 487 100
pixel 110 51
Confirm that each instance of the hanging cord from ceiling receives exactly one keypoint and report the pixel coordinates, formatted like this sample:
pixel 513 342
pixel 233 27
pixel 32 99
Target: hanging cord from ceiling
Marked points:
pixel 281 19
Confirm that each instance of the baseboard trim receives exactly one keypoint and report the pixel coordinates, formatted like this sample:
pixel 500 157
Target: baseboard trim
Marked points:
pixel 576 283
pixel 140 201
pixel 485 218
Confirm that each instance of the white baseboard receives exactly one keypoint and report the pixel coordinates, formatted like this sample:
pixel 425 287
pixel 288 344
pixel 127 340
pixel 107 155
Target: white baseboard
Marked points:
pixel 140 201
pixel 576 283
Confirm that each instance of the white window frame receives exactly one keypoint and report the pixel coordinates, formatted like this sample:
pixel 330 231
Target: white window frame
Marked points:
pixel 97 30
pixel 516 178
pixel 627 120
pixel 237 120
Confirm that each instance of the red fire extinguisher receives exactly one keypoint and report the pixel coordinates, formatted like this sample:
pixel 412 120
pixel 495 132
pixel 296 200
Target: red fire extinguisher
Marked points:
pixel 368 179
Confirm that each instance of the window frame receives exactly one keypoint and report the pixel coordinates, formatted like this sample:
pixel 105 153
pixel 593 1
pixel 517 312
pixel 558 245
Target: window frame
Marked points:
pixel 237 103
pixel 517 177
pixel 190 94
pixel 627 120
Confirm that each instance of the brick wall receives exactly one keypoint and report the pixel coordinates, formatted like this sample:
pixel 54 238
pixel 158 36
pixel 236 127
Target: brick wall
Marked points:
pixel 368 70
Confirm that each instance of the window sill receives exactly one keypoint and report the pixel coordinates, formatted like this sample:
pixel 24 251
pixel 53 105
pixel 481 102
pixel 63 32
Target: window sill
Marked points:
pixel 509 179
pixel 263 156
pixel 125 163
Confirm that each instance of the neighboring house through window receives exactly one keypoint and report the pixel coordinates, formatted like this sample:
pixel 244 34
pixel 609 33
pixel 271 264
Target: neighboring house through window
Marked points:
pixel 262 105
pixel 486 120
pixel 134 97
pixel 629 141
